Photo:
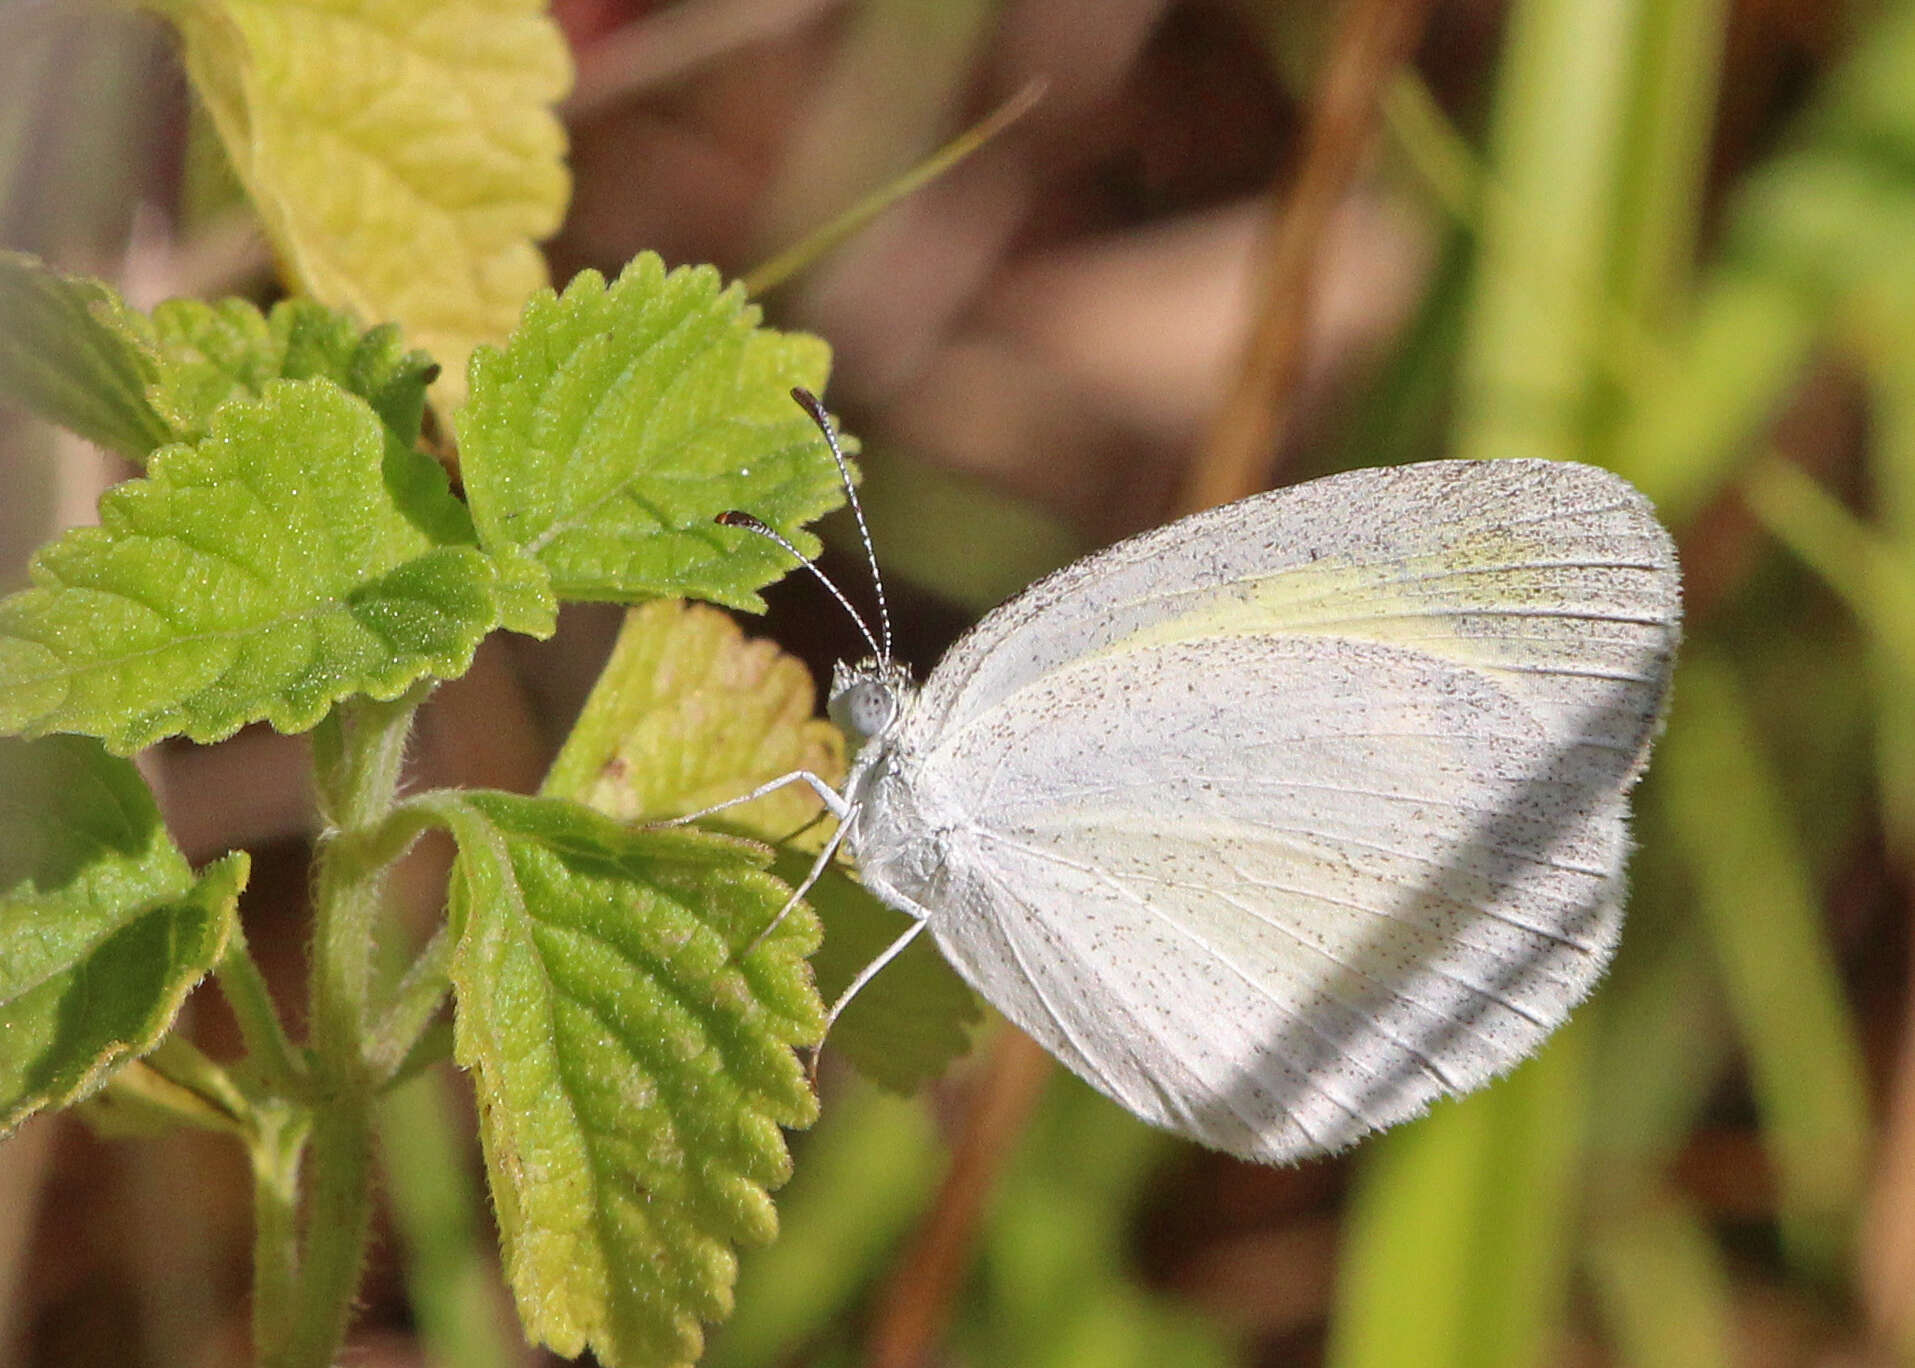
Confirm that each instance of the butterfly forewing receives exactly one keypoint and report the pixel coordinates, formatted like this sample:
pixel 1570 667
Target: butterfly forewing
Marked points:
pixel 1554 576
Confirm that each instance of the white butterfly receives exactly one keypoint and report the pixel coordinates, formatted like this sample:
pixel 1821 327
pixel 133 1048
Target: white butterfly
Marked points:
pixel 1279 822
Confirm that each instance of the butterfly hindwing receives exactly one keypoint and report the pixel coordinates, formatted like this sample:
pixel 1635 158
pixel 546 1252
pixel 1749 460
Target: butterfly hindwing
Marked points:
pixel 1271 893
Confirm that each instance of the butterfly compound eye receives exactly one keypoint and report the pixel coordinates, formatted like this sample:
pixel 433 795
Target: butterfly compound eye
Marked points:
pixel 863 709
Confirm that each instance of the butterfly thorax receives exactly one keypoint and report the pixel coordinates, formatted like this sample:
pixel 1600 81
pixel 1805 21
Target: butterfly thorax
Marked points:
pixel 870 702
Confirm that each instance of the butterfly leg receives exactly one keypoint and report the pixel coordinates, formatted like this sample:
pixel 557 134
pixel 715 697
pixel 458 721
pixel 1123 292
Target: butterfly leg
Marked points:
pixel 865 975
pixel 870 971
pixel 797 894
pixel 833 800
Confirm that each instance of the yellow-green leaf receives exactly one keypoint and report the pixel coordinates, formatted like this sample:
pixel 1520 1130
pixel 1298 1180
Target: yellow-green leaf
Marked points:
pixel 296 556
pixel 210 352
pixel 404 158
pixel 689 712
pixel 630 1026
pixel 620 420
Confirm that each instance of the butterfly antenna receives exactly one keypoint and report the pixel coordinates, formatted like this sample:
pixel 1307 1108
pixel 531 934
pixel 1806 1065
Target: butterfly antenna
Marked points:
pixel 809 403
pixel 735 518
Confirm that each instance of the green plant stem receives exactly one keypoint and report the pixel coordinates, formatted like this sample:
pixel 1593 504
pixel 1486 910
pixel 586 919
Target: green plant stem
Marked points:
pixel 278 1140
pixel 405 823
pixel 769 275
pixel 141 1092
pixel 281 1066
pixel 1435 152
pixel 338 1218
pixel 434 1044
pixel 414 1005
pixel 393 1044
pixel 181 1062
pixel 357 754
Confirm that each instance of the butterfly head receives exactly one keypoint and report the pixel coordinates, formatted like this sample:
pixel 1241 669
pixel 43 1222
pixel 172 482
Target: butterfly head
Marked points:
pixel 868 698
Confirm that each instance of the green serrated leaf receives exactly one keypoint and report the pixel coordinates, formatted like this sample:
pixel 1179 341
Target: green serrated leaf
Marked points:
pixel 103 927
pixel 689 712
pixel 403 158
pixel 209 352
pixel 866 1176
pixel 909 1023
pixel 71 352
pixel 295 557
pixel 526 601
pixel 631 1043
pixel 620 421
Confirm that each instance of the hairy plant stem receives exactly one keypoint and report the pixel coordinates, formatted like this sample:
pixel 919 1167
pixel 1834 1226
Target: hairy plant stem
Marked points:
pixel 280 1065
pixel 181 1063
pixel 278 1141
pixel 414 1004
pixel 357 753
